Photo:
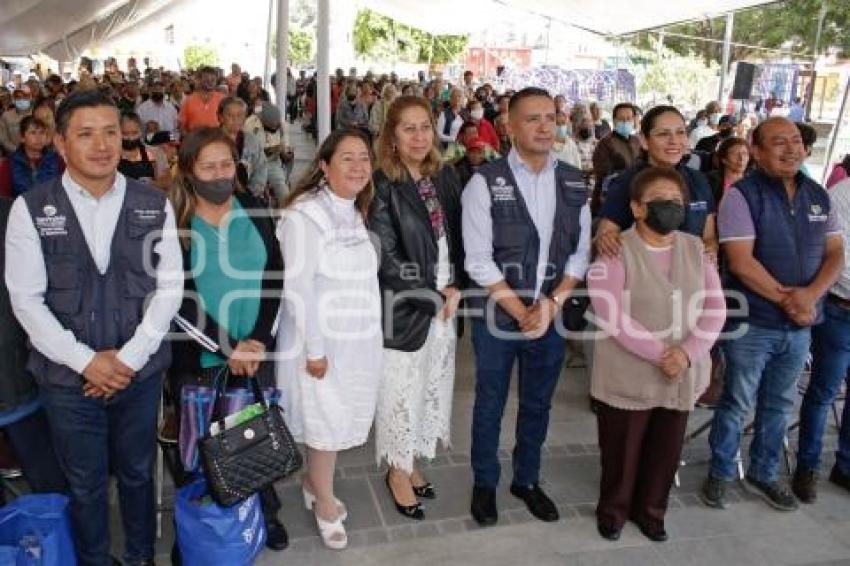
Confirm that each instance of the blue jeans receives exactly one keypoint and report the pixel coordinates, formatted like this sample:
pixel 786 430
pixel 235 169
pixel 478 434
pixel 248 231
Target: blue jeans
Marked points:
pixel 831 360
pixel 540 364
pixel 762 369
pixel 95 437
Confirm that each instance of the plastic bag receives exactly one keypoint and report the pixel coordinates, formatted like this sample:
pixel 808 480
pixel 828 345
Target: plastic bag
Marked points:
pixel 209 534
pixel 35 530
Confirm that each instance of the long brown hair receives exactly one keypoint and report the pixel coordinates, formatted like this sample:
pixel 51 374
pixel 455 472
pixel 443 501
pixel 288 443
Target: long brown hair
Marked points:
pixel 182 193
pixel 389 160
pixel 310 182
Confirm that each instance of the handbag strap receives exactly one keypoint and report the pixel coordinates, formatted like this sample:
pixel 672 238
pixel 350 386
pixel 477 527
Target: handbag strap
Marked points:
pixel 220 386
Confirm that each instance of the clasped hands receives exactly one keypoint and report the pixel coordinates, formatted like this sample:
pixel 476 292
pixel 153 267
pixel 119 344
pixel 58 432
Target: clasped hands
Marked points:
pixel 535 320
pixel 799 304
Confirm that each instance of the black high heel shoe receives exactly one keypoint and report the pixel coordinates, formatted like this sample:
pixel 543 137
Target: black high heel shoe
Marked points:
pixel 425 491
pixel 409 511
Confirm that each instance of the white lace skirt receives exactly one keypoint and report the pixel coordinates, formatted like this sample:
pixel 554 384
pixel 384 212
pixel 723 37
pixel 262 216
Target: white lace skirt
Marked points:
pixel 415 400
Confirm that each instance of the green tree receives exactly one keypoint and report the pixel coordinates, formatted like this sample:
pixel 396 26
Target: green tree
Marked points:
pixel 379 37
pixel 195 56
pixel 791 24
pixel 300 46
pixel 684 77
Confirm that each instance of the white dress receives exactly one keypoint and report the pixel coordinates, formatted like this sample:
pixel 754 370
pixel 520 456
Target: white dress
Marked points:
pixel 415 401
pixel 332 308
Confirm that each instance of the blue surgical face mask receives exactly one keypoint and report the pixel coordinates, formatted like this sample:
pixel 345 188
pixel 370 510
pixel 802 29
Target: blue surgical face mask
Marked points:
pixel 562 131
pixel 625 129
pixel 22 104
pixel 715 118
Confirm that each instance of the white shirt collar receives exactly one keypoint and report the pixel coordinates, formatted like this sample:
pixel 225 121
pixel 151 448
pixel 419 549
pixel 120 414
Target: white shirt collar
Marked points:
pixel 73 188
pixel 516 163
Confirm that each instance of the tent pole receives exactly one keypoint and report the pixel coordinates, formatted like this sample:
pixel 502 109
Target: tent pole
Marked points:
pixel 282 64
pixel 727 52
pixel 323 69
pixel 833 136
pixel 267 72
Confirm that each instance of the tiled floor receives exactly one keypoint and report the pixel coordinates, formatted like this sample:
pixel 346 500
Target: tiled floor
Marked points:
pixel 747 533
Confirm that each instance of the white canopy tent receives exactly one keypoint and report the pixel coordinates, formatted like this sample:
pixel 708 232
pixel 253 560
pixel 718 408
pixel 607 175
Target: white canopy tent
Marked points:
pixel 64 28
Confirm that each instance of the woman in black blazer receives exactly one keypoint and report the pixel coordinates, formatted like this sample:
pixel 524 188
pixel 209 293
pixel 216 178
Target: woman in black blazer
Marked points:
pixel 416 217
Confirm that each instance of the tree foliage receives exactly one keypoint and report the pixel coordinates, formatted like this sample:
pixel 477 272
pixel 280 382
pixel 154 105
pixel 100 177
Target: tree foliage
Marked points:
pixel 379 37
pixel 790 25
pixel 195 56
pixel 300 46
pixel 683 77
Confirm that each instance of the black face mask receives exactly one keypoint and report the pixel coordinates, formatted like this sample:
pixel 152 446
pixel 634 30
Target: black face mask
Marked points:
pixel 664 216
pixel 216 191
pixel 351 97
pixel 584 134
pixel 157 96
pixel 131 144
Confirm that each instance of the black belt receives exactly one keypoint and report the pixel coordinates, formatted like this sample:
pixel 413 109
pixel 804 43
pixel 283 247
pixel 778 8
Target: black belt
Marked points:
pixel 839 301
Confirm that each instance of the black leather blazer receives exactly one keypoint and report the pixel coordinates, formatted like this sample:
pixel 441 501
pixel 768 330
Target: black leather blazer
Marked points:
pixel 409 255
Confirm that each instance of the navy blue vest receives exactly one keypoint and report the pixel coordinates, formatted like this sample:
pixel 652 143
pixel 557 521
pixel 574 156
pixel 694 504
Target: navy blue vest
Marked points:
pixel 790 241
pixel 102 311
pixel 516 243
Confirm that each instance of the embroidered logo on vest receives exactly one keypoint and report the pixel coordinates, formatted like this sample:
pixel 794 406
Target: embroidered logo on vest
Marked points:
pixel 50 224
pixel 502 192
pixel 816 213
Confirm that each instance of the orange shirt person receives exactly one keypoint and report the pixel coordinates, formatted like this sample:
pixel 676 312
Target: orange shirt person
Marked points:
pixel 201 107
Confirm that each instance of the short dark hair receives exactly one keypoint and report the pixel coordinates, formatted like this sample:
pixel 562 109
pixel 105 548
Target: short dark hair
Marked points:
pixel 80 99
pixel 132 117
pixel 648 121
pixel 527 92
pixel 31 122
pixel 623 106
pixel 808 133
pixel 651 175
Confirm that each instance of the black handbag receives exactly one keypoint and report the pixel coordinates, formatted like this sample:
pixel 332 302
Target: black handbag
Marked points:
pixel 242 460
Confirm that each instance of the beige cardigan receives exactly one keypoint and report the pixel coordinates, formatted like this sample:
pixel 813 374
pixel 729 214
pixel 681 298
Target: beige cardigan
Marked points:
pixel 625 381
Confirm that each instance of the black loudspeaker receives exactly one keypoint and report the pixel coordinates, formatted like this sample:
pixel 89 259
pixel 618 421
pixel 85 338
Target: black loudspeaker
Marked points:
pixel 743 87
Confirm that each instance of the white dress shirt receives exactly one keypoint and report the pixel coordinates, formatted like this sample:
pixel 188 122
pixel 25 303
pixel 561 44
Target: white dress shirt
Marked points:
pixel 26 277
pixel 538 191
pixel 164 114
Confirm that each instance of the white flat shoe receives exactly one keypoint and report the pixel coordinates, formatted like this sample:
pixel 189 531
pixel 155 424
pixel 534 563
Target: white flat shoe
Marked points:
pixel 332 532
pixel 310 501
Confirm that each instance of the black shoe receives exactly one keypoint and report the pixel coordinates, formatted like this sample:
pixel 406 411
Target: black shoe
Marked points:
pixel 142 562
pixel 115 561
pixel 537 502
pixel 276 536
pixel 409 511
pixel 805 485
pixel 839 478
pixel 713 492
pixel 655 534
pixel 425 491
pixel 775 494
pixel 607 532
pixel 483 506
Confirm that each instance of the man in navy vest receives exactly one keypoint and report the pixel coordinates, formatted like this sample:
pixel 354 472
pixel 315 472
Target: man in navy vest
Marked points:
pixel 526 233
pixel 94 272
pixel 784 250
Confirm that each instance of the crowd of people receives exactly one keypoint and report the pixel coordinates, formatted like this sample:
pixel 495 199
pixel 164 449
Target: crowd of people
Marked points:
pixel 155 244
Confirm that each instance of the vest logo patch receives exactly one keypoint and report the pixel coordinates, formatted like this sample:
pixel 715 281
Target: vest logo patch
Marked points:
pixel 503 192
pixel 816 213
pixel 50 224
pixel 699 206
pixel 148 215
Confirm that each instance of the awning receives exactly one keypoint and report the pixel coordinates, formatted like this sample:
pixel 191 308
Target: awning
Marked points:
pixel 63 29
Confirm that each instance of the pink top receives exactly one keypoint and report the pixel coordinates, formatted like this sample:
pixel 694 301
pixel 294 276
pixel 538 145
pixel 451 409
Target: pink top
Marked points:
pixel 607 277
pixel 838 174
